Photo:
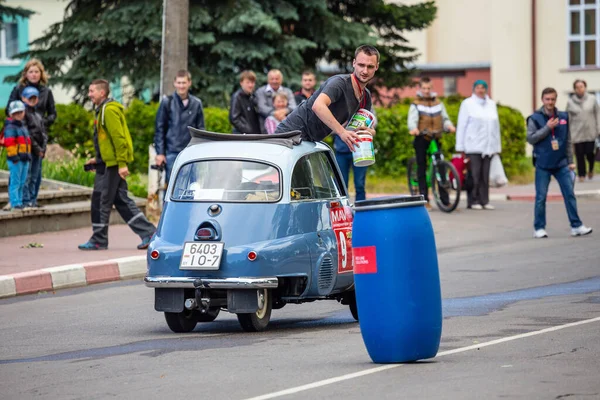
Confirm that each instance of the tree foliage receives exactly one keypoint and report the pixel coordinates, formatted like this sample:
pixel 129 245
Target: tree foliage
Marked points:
pixel 13 12
pixel 116 38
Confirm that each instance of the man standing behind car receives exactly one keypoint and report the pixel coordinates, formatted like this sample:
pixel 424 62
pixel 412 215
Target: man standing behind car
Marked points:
pixel 114 150
pixel 264 98
pixel 175 113
pixel 242 113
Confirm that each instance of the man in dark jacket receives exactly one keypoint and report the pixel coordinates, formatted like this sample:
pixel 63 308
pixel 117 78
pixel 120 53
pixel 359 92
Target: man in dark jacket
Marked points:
pixel 242 113
pixel 39 140
pixel 548 132
pixel 175 113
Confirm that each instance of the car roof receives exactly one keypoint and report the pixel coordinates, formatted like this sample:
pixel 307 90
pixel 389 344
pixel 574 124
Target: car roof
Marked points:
pixel 274 150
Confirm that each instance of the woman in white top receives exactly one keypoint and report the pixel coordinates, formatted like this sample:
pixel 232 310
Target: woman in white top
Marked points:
pixel 478 137
pixel 584 124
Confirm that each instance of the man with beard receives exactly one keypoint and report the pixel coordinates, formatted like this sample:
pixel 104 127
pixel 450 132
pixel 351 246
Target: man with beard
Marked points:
pixel 331 107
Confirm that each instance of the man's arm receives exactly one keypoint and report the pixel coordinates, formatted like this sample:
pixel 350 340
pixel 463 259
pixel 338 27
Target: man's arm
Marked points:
pixel 262 103
pixel 569 146
pixel 597 116
pixel 535 135
pixel 291 99
pixel 321 108
pixel 200 116
pixel 447 123
pixel 160 127
pixel 413 118
pixel 235 113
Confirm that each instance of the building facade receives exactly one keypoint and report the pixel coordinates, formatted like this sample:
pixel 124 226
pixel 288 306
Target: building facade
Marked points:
pixel 523 46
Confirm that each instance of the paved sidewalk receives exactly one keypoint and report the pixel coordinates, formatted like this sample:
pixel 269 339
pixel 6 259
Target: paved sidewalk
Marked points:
pixel 59 263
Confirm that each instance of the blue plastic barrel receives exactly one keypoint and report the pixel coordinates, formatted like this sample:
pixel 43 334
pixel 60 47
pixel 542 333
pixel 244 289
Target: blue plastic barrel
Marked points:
pixel 397 279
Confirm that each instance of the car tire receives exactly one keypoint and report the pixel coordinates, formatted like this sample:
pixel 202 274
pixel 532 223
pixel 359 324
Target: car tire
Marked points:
pixel 210 315
pixel 182 322
pixel 258 321
pixel 354 309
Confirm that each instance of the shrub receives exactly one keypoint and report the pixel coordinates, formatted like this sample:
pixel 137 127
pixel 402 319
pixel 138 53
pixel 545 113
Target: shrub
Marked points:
pixel 73 129
pixel 217 120
pixel 393 144
pixel 140 121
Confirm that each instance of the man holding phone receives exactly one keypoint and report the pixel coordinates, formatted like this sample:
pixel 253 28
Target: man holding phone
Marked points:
pixel 114 150
pixel 548 132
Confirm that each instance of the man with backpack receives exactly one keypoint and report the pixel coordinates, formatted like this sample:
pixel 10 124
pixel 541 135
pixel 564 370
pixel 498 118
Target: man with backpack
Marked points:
pixel 175 113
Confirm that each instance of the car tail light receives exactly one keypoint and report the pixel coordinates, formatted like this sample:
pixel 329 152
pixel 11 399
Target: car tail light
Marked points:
pixel 154 254
pixel 206 234
pixel 252 255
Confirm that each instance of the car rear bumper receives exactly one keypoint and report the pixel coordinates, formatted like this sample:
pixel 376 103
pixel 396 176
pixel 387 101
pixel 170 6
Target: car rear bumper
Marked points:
pixel 211 283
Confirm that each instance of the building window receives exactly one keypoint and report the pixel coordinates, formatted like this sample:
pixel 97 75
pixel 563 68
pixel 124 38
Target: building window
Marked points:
pixel 449 85
pixel 584 33
pixel 9 41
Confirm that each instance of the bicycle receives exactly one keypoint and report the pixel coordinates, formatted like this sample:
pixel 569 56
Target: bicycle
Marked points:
pixel 445 186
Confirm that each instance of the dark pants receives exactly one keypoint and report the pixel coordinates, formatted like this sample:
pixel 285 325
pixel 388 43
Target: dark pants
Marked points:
pixel 110 189
pixel 583 151
pixel 542 180
pixel 421 145
pixel 34 180
pixel 170 160
pixel 345 162
pixel 480 171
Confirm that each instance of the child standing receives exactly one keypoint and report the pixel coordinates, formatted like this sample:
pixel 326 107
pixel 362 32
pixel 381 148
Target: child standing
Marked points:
pixel 280 102
pixel 18 152
pixel 35 125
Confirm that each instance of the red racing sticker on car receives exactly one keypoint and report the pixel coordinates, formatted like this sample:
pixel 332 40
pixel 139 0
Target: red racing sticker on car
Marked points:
pixel 341 222
pixel 365 260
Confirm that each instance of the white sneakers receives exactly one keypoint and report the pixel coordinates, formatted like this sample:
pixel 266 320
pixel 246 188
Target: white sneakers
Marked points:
pixel 581 230
pixel 485 207
pixel 540 233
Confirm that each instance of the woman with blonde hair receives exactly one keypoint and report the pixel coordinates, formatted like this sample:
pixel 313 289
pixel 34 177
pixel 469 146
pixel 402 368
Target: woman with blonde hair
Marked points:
pixel 35 75
pixel 41 113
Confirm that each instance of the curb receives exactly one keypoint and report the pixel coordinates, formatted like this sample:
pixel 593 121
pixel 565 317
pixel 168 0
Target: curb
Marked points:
pixel 72 275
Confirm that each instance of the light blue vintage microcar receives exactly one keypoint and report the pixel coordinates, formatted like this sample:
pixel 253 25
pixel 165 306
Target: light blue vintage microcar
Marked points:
pixel 251 223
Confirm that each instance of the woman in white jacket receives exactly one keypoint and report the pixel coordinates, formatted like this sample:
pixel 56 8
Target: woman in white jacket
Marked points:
pixel 478 137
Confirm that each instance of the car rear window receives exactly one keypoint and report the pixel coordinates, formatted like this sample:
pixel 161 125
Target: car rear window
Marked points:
pixel 227 180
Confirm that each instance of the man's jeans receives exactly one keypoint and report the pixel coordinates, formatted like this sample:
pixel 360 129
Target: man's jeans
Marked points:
pixel 34 179
pixel 345 162
pixel 542 181
pixel 16 182
pixel 170 160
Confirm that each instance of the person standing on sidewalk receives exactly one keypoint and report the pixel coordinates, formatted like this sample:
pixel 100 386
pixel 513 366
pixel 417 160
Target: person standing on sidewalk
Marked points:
pixel 39 140
pixel 584 120
pixel 242 113
pixel 175 113
pixel 548 131
pixel 309 81
pixel 114 150
pixel 478 138
pixel 18 153
pixel 427 113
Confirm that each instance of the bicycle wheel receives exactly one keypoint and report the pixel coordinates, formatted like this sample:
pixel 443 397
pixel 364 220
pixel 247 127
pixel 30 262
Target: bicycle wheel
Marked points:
pixel 446 186
pixel 411 174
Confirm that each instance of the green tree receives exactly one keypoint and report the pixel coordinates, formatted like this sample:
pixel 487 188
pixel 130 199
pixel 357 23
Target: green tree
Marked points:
pixel 13 12
pixel 114 38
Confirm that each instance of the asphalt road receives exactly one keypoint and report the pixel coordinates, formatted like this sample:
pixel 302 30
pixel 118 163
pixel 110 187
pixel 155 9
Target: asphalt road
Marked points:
pixel 522 321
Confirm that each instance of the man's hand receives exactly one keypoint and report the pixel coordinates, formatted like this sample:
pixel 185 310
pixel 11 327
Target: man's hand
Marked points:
pixel 90 161
pixel 552 123
pixel 280 114
pixel 572 167
pixel 124 172
pixel 370 131
pixel 160 159
pixel 414 132
pixel 452 129
pixel 41 154
pixel 349 137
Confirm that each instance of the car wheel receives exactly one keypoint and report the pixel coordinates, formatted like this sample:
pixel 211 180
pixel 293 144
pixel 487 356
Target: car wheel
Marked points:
pixel 210 315
pixel 259 320
pixel 182 322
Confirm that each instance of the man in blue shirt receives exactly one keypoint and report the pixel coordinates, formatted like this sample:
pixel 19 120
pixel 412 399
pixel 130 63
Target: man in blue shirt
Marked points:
pixel 548 132
pixel 175 113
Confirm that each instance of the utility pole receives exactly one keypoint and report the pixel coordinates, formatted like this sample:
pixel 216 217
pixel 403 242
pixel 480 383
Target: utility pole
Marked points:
pixel 174 42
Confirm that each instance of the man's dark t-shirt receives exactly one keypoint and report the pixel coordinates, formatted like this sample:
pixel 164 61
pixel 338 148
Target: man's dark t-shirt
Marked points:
pixel 343 105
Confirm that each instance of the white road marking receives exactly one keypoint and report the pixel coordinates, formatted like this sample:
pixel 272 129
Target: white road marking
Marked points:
pixel 375 370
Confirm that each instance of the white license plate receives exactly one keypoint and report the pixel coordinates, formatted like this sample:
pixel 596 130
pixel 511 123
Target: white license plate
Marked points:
pixel 201 255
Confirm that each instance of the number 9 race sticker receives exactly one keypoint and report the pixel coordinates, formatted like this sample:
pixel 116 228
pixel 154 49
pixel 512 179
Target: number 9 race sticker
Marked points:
pixel 341 222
